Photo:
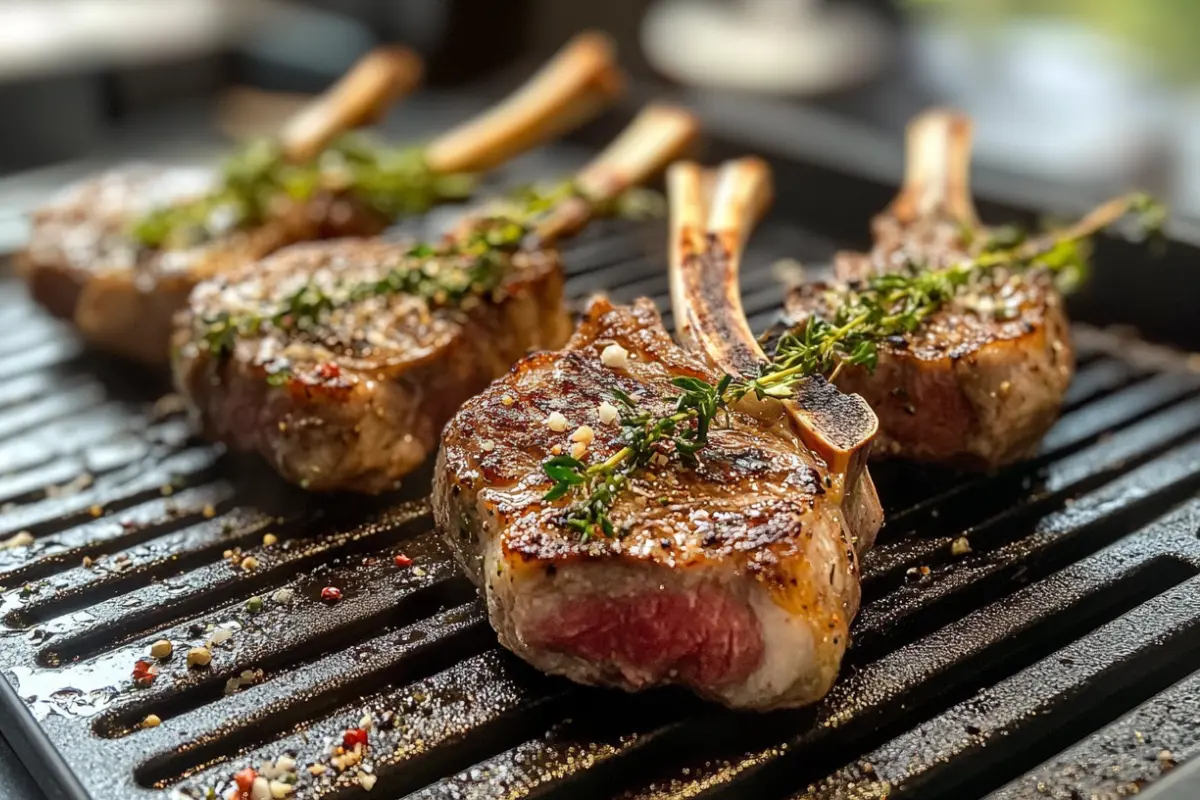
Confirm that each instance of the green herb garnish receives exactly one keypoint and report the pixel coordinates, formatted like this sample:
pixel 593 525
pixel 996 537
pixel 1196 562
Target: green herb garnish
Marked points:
pixel 863 316
pixel 258 178
pixel 471 264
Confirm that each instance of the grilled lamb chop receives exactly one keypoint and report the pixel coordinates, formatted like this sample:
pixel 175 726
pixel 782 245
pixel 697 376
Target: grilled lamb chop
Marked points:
pixel 981 380
pixel 120 253
pixel 735 577
pixel 339 362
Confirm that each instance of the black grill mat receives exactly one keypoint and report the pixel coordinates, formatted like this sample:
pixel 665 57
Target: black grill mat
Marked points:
pixel 1056 658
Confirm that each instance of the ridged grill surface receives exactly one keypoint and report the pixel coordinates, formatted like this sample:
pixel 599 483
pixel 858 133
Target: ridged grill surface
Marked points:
pixel 1056 658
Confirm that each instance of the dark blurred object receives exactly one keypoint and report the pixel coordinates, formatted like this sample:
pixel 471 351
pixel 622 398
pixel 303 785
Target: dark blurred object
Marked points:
pixel 460 40
pixel 15 781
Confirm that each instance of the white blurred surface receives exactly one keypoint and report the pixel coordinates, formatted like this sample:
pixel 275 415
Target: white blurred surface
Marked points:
pixel 40 37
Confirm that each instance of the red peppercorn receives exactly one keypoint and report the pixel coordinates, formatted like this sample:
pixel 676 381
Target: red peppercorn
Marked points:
pixel 144 673
pixel 354 736
pixel 245 781
pixel 331 594
pixel 328 371
pixel 403 561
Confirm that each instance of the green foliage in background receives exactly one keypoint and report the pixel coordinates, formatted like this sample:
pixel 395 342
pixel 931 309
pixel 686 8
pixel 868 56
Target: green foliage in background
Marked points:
pixel 1165 32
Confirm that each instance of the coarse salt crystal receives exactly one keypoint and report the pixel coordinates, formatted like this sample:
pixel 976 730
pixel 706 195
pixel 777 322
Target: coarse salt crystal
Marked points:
pixel 615 356
pixel 608 413
pixel 366 781
pixel 556 422
pixel 260 789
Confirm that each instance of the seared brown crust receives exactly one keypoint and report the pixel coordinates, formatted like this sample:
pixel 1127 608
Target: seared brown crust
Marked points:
pixel 980 382
pixel 369 390
pixel 81 262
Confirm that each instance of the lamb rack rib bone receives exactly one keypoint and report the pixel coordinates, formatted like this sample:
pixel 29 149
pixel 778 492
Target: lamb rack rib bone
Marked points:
pixel 577 84
pixel 709 317
pixel 657 136
pixel 362 96
pixel 937 172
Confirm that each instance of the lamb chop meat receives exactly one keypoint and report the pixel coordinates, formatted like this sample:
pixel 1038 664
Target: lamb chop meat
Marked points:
pixel 339 362
pixel 120 253
pixel 84 261
pixel 733 575
pixel 981 380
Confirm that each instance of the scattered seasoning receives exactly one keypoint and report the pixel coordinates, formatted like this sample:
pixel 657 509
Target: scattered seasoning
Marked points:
pixel 245 781
pixel 96 510
pixel 403 560
pixel 280 790
pixel 487 445
pixel 556 422
pixel 316 769
pixel 270 539
pixel 209 511
pixel 1166 756
pixel 615 357
pixel 354 737
pixel 960 547
pixel 507 399
pixel 254 604
pixel 366 780
pixel 161 649
pixel 221 635
pixel 249 564
pixel 283 596
pixel 167 490
pixel 87 562
pixel 151 721
pixel 608 413
pixel 144 673
pixel 199 657
pixel 331 594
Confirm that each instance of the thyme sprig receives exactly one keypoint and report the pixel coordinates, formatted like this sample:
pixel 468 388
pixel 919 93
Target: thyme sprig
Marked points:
pixel 862 317
pixel 473 263
pixel 257 179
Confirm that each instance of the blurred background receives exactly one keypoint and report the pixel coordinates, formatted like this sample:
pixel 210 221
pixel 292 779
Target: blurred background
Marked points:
pixel 1073 98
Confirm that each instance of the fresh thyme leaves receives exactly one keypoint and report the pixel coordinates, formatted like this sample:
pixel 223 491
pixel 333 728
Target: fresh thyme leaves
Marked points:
pixel 255 180
pixel 648 440
pixel 886 305
pixel 859 317
pixel 471 264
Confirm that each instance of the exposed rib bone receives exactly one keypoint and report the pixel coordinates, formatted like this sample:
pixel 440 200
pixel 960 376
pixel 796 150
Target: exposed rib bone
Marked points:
pixel 578 83
pixel 709 316
pixel 361 96
pixel 655 138
pixel 937 172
